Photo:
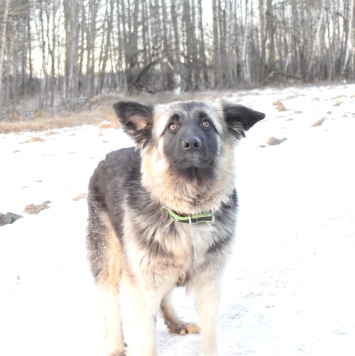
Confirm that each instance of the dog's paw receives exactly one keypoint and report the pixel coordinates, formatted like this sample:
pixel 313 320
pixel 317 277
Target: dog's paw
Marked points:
pixel 118 353
pixel 184 328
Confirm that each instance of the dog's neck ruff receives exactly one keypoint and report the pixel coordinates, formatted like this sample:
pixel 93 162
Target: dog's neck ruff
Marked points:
pixel 191 219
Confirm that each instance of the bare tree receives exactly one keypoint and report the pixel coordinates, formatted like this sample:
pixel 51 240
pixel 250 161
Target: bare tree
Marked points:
pixel 270 35
pixel 202 47
pixel 176 38
pixel 216 46
pixel 71 49
pixel 5 11
pixel 245 47
pixel 106 43
pixel 262 40
pixel 189 46
pixel 315 41
pixel 348 62
pixel 71 20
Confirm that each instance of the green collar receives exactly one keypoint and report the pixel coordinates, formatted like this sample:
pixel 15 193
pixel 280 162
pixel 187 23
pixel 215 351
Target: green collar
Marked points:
pixel 192 219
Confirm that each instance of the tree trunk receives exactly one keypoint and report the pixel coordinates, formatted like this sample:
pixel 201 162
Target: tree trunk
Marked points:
pixel 90 56
pixel 245 46
pixel 177 48
pixel 2 51
pixel 314 42
pixel 168 61
pixel 189 45
pixel 296 63
pixel 262 41
pixel 108 31
pixel 43 98
pixel 348 64
pixel 202 49
pixel 216 46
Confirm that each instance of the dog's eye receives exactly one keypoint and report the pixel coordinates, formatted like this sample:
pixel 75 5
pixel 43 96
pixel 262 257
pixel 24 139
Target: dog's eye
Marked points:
pixel 174 123
pixel 206 124
pixel 173 126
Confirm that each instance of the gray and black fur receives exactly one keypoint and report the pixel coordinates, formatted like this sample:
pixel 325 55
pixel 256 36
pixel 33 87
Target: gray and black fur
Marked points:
pixel 183 161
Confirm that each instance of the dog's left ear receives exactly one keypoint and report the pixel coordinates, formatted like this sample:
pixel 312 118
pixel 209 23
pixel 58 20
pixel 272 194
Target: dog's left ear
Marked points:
pixel 239 118
pixel 136 118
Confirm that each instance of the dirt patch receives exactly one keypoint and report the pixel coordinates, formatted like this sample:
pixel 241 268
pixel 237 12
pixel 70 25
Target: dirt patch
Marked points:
pixel 36 208
pixel 337 103
pixel 273 141
pixel 34 139
pixel 318 122
pixel 279 105
pixel 80 197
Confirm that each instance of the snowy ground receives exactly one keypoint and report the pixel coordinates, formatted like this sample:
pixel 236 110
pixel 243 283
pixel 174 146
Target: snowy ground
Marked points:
pixel 289 289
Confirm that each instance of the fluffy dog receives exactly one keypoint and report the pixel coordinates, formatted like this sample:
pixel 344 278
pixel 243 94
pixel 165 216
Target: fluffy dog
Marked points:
pixel 163 215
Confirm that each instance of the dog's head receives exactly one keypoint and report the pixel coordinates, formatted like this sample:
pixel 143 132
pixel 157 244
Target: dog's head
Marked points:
pixel 191 140
pixel 192 129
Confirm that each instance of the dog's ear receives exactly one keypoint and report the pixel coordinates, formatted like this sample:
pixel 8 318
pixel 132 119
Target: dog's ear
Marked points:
pixel 239 118
pixel 136 118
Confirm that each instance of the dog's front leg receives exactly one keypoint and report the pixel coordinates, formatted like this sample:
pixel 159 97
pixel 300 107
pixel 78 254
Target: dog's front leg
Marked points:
pixel 140 306
pixel 206 288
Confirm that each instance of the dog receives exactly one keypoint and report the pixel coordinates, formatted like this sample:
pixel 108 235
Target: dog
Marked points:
pixel 163 214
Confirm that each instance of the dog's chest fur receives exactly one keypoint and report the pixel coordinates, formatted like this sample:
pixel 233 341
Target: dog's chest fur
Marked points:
pixel 174 250
pixel 152 242
pixel 178 250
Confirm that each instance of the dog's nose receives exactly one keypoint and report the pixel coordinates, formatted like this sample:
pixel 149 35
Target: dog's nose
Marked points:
pixel 191 143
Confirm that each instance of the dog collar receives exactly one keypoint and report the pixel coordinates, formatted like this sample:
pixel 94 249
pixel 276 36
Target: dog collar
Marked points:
pixel 191 219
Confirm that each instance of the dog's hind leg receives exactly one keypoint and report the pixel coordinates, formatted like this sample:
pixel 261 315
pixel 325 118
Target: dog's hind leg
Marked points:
pixel 105 259
pixel 173 322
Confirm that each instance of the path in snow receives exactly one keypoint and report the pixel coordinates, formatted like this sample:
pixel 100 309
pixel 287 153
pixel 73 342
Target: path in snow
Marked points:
pixel 288 289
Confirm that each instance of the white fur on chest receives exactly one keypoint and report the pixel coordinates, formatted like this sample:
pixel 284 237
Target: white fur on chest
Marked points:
pixel 181 253
pixel 200 237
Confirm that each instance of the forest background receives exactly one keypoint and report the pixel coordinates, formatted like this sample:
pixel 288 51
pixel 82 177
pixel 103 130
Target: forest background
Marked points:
pixel 60 55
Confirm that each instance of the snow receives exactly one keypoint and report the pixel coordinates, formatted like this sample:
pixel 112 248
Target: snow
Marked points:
pixel 289 287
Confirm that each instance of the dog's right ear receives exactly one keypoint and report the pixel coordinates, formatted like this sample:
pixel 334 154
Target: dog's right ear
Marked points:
pixel 136 118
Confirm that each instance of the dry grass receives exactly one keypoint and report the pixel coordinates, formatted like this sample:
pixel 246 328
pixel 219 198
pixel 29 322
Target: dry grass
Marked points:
pixel 49 122
pixel 34 139
pixel 99 109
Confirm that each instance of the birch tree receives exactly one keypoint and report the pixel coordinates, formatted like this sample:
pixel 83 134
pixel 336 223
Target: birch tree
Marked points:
pixel 81 48
pixel 348 62
pixel 202 47
pixel 5 11
pixel 216 46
